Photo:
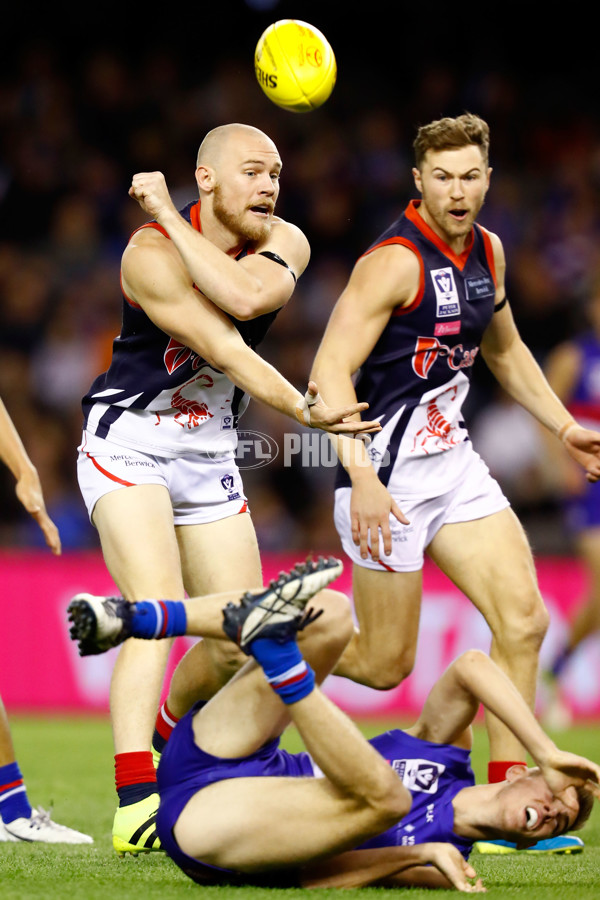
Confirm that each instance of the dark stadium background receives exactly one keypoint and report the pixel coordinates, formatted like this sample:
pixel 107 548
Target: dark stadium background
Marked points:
pixel 89 97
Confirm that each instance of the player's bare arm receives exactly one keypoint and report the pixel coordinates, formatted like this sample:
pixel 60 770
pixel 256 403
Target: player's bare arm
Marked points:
pixel 28 487
pixel 276 265
pixel 154 276
pixel 474 679
pixel 243 289
pixel 433 865
pixel 516 370
pixel 381 281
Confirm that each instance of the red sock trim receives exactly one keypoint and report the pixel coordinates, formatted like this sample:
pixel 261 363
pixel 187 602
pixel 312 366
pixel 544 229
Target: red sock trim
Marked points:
pixel 497 769
pixel 10 785
pixel 165 721
pixel 134 768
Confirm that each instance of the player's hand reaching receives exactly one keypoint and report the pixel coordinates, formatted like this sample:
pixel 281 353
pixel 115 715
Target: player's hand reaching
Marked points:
pixel 371 509
pixel 584 446
pixel 151 192
pixel 29 492
pixel 315 413
pixel 563 770
pixel 460 873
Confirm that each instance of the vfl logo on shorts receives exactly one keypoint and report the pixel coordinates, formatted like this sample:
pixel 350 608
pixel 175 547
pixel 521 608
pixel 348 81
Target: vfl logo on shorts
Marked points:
pixel 420 775
pixel 446 294
pixel 228 485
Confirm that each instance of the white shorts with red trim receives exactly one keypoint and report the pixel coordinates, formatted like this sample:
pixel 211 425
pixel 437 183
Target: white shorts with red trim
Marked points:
pixel 475 495
pixel 202 487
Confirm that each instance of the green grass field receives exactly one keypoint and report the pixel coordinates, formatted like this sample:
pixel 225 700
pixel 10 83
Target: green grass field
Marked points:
pixel 67 764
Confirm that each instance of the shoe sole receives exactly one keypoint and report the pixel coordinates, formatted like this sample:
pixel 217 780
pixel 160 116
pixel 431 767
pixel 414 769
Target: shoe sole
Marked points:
pixel 83 621
pixel 495 850
pixel 295 590
pixel 303 585
pixel 84 628
pixel 122 847
pixel 150 845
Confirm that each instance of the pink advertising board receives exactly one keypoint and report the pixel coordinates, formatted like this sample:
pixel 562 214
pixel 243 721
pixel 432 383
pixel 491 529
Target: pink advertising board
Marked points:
pixel 40 670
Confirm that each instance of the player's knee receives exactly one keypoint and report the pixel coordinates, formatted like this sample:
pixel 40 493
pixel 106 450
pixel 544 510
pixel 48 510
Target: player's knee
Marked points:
pixel 335 625
pixel 227 658
pixel 392 803
pixel 524 625
pixel 386 672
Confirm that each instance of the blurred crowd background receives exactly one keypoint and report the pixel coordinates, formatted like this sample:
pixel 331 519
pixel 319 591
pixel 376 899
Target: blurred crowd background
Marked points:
pixel 83 106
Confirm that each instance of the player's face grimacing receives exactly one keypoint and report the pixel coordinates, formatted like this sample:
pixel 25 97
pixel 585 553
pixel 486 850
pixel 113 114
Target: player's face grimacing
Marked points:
pixel 531 812
pixel 453 184
pixel 247 188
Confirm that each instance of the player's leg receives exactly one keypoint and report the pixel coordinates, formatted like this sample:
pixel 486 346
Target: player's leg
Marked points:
pixel 387 605
pixel 489 559
pixel 387 599
pixel 18 821
pixel 100 623
pixel 216 557
pixel 219 552
pixel 141 553
pixel 359 795
pixel 14 802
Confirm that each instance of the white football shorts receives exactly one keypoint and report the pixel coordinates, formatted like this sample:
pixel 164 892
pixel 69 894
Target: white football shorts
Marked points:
pixel 203 487
pixel 473 496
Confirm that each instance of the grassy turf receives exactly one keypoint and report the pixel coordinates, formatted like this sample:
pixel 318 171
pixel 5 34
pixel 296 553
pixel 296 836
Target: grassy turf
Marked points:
pixel 67 764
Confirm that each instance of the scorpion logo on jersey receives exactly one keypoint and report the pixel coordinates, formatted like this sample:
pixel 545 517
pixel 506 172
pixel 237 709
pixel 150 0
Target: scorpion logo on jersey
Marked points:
pixel 428 349
pixel 438 431
pixel 195 411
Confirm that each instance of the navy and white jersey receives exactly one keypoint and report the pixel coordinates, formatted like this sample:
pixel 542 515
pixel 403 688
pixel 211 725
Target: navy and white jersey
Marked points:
pixel 434 774
pixel 161 397
pixel 418 374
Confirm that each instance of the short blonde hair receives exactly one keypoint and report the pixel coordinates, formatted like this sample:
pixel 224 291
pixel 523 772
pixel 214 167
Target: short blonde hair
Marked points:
pixel 452 134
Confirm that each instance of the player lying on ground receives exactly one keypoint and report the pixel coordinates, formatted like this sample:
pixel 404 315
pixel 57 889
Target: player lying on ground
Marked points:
pixel 400 809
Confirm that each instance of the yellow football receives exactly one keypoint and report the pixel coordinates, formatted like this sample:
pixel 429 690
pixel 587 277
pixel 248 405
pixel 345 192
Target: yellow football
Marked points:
pixel 295 65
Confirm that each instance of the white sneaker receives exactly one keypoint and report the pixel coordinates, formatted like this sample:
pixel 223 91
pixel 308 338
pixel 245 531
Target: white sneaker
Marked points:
pixel 4 835
pixel 40 828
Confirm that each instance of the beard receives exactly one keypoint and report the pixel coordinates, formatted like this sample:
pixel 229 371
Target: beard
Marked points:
pixel 251 230
pixel 446 223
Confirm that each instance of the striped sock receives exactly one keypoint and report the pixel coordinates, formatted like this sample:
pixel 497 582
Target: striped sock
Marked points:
pixel 285 668
pixel 165 723
pixel 135 776
pixel 158 619
pixel 13 795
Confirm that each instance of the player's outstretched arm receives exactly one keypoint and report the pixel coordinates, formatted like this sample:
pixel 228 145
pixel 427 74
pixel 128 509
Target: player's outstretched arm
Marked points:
pixel 28 487
pixel 516 370
pixel 155 278
pixel 434 865
pixel 381 281
pixel 474 679
pixel 314 412
pixel 583 446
